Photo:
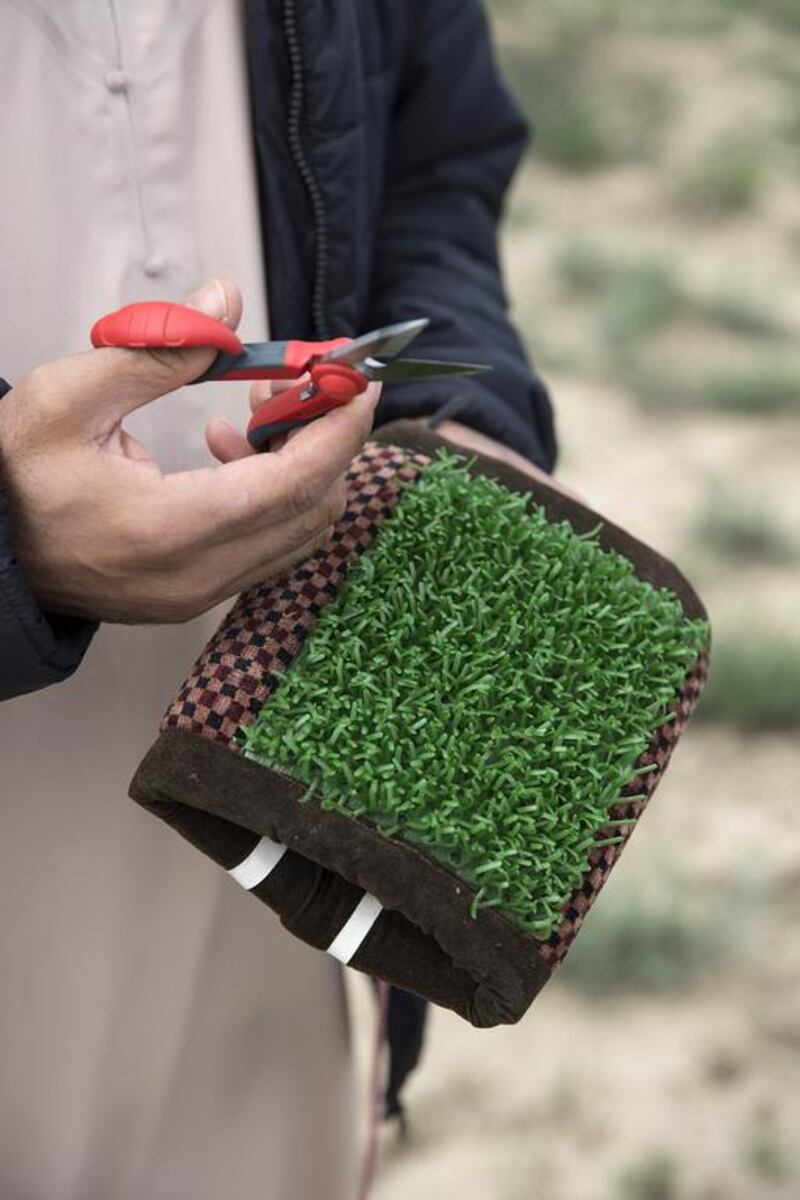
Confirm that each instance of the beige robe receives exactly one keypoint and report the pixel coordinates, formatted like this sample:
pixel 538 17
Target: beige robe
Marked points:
pixel 161 1038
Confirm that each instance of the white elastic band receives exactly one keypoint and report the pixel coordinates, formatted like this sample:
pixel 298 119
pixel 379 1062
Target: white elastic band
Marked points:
pixel 258 864
pixel 355 929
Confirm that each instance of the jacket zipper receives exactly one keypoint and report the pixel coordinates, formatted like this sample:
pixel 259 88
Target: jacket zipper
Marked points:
pixel 305 171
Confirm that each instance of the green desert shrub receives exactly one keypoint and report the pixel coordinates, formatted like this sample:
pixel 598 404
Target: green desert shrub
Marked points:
pixel 783 14
pixel 643 112
pixel 758 389
pixel 571 135
pixel 766 1155
pixel 585 120
pixel 754 683
pixel 725 180
pixel 740 314
pixel 655 1177
pixel 761 389
pixel 584 268
pixel 789 121
pixel 654 389
pixel 642 298
pixel 741 531
pixel 641 945
pixel 633 299
pixel 552 84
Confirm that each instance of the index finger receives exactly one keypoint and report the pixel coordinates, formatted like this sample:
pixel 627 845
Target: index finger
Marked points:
pixel 319 453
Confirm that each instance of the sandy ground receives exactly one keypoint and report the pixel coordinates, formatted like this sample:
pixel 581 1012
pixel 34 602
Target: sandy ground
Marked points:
pixel 691 1093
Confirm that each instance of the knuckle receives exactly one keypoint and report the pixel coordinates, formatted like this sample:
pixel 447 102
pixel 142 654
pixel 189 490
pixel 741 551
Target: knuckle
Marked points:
pixel 324 515
pixel 298 535
pixel 299 551
pixel 302 534
pixel 318 539
pixel 325 535
pixel 302 494
pixel 336 502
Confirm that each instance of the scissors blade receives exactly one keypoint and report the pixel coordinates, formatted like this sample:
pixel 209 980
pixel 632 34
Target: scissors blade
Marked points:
pixel 381 343
pixel 414 368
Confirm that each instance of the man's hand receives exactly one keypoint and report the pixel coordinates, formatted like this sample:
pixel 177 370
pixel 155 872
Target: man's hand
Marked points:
pixel 103 534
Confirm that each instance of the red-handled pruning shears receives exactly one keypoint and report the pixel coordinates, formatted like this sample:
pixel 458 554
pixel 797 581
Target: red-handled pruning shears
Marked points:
pixel 338 370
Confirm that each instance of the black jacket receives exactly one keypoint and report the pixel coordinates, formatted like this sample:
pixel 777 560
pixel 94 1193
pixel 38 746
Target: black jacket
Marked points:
pixel 385 144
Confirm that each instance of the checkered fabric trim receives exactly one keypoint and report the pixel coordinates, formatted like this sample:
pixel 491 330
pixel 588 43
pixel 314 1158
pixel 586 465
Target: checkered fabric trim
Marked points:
pixel 261 636
pixel 602 861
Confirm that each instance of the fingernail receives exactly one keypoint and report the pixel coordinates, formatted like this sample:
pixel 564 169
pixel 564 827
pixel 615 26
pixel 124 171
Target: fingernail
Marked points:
pixel 211 299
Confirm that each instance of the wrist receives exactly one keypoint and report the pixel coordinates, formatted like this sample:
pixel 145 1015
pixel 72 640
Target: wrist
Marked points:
pixel 35 649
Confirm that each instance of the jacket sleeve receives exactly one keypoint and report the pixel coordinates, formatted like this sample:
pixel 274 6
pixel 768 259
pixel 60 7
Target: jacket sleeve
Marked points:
pixel 35 649
pixel 456 140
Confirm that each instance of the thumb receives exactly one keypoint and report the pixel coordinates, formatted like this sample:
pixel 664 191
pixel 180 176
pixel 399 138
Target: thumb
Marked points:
pixel 219 298
pixel 110 382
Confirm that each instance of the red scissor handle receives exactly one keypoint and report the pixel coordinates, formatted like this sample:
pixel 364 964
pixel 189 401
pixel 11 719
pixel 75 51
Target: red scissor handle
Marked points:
pixel 336 384
pixel 270 360
pixel 156 323
pixel 159 324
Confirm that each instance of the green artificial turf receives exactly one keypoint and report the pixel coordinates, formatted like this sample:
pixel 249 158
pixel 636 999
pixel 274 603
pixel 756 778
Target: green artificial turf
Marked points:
pixel 481 688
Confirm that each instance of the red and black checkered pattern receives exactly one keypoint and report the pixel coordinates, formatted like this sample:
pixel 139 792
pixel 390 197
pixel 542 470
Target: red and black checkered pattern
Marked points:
pixel 602 861
pixel 264 631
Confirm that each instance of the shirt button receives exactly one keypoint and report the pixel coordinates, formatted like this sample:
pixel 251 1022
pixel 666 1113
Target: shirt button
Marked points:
pixel 154 265
pixel 116 81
